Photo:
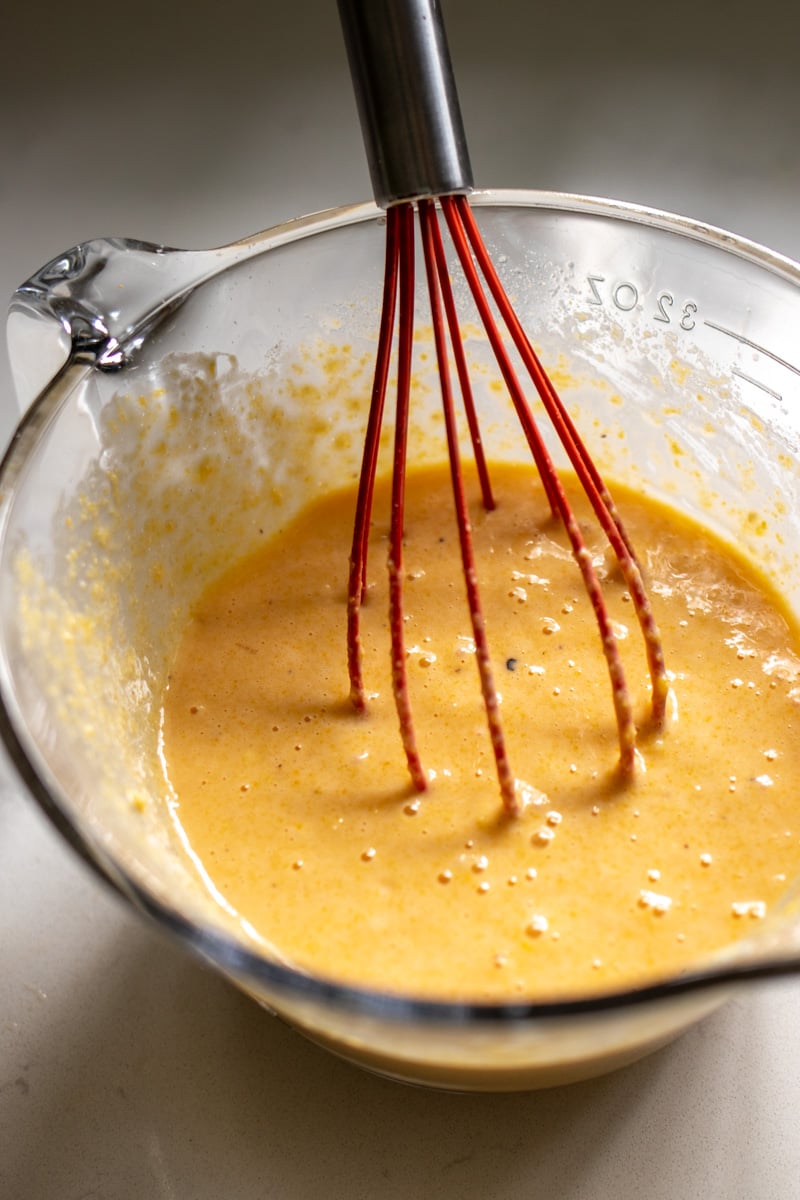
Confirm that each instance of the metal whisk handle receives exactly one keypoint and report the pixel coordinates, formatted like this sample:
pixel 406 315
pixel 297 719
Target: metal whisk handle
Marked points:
pixel 406 97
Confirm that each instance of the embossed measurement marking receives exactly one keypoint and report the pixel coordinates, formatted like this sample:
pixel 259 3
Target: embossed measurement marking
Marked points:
pixel 625 296
pixel 756 383
pixel 739 337
pixel 753 346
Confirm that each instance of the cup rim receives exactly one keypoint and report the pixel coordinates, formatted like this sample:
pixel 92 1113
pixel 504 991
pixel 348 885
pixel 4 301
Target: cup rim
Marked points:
pixel 576 203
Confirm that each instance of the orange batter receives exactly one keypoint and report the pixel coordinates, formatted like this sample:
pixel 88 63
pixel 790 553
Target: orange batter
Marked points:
pixel 302 815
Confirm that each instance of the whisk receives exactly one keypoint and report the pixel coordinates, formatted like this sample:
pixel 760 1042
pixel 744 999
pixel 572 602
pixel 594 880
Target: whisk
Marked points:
pixel 419 165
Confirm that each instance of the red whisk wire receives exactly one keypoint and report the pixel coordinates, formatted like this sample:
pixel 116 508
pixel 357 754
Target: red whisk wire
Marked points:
pixel 555 492
pixel 405 341
pixel 440 293
pixel 461 220
pixel 357 582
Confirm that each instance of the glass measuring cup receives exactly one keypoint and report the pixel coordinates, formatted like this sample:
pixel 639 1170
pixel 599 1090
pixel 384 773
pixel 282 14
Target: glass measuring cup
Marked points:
pixel 679 334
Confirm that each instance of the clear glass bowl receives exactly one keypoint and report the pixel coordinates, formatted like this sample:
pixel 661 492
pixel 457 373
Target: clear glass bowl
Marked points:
pixel 177 404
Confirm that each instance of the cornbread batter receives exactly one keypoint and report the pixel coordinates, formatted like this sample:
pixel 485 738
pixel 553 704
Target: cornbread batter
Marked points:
pixel 301 812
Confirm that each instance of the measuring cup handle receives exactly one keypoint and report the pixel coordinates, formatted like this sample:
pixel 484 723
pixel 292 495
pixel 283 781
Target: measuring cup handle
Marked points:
pixel 95 303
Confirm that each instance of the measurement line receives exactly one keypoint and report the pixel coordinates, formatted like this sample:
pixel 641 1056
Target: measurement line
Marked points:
pixel 756 383
pixel 753 346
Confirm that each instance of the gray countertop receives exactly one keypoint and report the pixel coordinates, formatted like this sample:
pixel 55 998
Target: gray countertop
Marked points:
pixel 128 1071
